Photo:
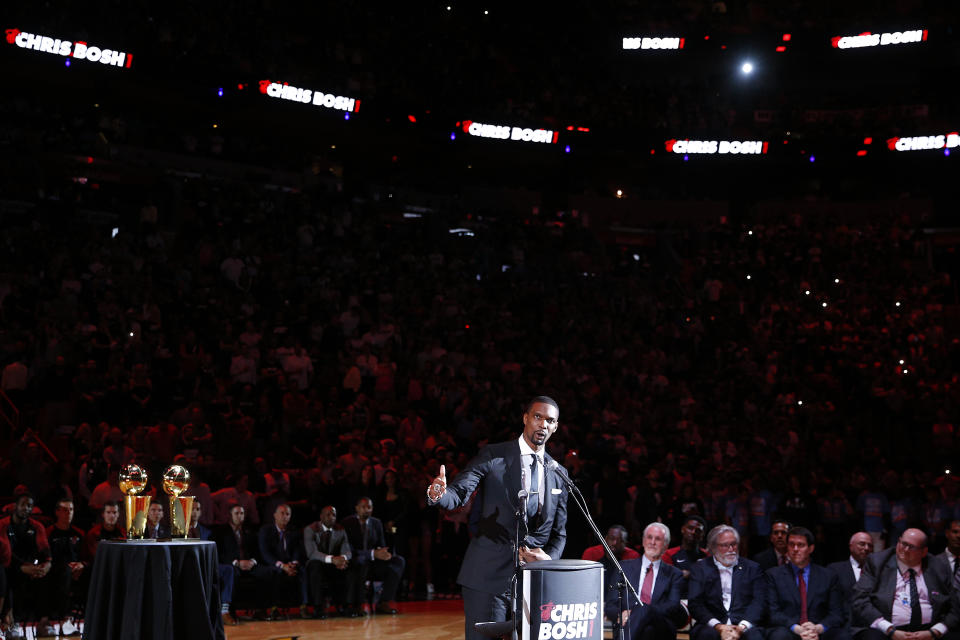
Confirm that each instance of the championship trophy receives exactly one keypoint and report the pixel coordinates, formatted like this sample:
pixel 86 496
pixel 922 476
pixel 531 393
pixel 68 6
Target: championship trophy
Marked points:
pixel 176 480
pixel 133 480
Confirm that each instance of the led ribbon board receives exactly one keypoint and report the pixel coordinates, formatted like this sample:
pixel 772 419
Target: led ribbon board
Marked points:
pixel 923 143
pixel 284 91
pixel 653 43
pixel 78 50
pixel 517 134
pixel 868 39
pixel 709 147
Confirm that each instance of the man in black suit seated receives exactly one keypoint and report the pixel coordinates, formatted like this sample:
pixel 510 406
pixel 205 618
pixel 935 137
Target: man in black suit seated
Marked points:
pixel 282 549
pixel 328 555
pixel 804 599
pixel 659 585
pixel 372 560
pixel 848 571
pixel 905 594
pixel 776 554
pixel 237 550
pixel 727 593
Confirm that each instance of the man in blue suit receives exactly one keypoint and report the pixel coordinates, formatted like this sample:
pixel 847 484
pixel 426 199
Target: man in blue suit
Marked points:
pixel 500 471
pixel 659 612
pixel 727 592
pixel 805 600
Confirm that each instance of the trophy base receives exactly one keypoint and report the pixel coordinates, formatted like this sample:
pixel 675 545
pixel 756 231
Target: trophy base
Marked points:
pixel 137 540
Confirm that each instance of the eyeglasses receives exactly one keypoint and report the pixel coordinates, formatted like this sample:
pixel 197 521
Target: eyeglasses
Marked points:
pixel 728 545
pixel 906 546
pixel 550 421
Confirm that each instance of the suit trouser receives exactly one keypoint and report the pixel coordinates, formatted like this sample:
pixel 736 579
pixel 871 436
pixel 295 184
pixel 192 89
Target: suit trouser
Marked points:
pixel 388 571
pixel 650 623
pixel 874 634
pixel 833 633
pixel 480 606
pixel 229 575
pixel 322 575
pixel 705 632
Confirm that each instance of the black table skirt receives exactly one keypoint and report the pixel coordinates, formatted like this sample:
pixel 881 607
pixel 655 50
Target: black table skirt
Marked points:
pixel 154 591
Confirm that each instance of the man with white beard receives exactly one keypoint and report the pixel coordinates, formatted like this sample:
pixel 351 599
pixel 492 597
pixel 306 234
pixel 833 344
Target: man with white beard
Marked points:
pixel 727 592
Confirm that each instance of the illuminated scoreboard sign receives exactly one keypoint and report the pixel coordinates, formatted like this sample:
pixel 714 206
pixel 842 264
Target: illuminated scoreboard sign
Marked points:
pixel 868 39
pixel 518 134
pixel 652 43
pixel 284 91
pixel 923 143
pixel 75 49
pixel 725 147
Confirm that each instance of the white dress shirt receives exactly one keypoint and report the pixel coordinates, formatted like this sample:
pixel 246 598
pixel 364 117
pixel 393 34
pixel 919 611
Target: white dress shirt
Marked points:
pixel 526 453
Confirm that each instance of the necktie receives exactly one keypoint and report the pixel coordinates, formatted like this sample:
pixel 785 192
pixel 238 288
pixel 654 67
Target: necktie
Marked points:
pixel 533 500
pixel 956 572
pixel 781 560
pixel 363 534
pixel 646 590
pixel 916 617
pixel 283 539
pixel 325 541
pixel 802 584
pixel 240 552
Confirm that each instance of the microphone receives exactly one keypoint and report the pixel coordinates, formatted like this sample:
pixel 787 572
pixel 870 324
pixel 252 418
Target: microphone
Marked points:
pixel 522 494
pixel 553 465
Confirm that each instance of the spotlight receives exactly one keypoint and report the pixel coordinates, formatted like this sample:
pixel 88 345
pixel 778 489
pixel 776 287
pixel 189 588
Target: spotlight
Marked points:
pixel 746 68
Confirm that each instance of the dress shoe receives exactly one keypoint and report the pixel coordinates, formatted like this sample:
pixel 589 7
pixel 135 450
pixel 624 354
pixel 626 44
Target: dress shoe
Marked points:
pixel 304 613
pixel 353 612
pixel 319 613
pixel 228 620
pixel 272 613
pixel 386 609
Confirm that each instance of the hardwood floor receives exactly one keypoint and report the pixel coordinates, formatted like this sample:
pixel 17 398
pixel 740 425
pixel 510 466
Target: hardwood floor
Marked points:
pixel 434 620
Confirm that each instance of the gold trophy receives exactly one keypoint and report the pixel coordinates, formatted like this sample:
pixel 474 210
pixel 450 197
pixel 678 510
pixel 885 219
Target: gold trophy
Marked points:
pixel 176 480
pixel 133 480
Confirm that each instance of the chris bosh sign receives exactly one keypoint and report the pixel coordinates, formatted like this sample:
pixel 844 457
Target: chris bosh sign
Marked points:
pixel 568 620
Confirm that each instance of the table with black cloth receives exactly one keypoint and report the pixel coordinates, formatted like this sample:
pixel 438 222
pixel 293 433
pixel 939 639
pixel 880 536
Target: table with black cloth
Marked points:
pixel 154 591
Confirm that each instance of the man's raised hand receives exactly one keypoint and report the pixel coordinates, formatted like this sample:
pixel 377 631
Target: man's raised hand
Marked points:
pixel 438 486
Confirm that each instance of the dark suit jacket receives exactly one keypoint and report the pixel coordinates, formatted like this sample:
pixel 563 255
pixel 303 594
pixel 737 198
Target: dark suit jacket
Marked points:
pixel 666 591
pixel 337 545
pixel 748 600
pixel 873 593
pixel 767 559
pixel 488 562
pixel 227 548
pixel 846 579
pixel 360 545
pixel 824 597
pixel 272 549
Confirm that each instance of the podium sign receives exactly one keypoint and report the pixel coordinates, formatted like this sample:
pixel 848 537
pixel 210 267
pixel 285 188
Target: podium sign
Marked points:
pixel 562 599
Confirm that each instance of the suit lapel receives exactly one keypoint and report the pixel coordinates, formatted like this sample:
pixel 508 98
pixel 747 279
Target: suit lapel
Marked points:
pixel 549 483
pixel 660 584
pixel 889 585
pixel 513 482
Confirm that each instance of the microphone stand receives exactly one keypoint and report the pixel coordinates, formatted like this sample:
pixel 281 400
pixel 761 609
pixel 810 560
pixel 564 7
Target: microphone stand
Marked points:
pixel 622 579
pixel 502 628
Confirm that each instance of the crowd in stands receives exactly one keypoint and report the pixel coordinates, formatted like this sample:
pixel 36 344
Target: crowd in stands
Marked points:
pixel 306 349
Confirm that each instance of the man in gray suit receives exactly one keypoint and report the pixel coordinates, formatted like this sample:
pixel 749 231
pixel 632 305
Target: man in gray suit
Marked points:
pixel 904 594
pixel 328 554
pixel 501 471
pixel 848 571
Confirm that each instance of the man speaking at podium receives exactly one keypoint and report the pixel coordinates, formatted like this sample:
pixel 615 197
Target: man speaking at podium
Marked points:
pixel 504 473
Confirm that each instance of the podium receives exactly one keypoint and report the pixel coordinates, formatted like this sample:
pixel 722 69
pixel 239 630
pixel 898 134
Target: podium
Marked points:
pixel 562 599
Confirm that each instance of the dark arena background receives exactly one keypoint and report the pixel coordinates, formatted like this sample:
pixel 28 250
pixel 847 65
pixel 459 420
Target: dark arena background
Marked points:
pixel 313 251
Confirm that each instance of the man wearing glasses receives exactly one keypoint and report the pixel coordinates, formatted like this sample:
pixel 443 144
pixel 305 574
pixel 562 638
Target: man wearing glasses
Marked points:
pixel 905 594
pixel 500 472
pixel 727 592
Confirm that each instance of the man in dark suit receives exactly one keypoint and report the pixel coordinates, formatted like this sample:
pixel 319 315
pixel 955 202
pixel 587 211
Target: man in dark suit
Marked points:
pixel 727 593
pixel 328 554
pixel 952 553
pixel 371 560
pixel 905 594
pixel 659 585
pixel 155 528
pixel 804 599
pixel 848 571
pixel 500 471
pixel 237 550
pixel 776 554
pixel 282 549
